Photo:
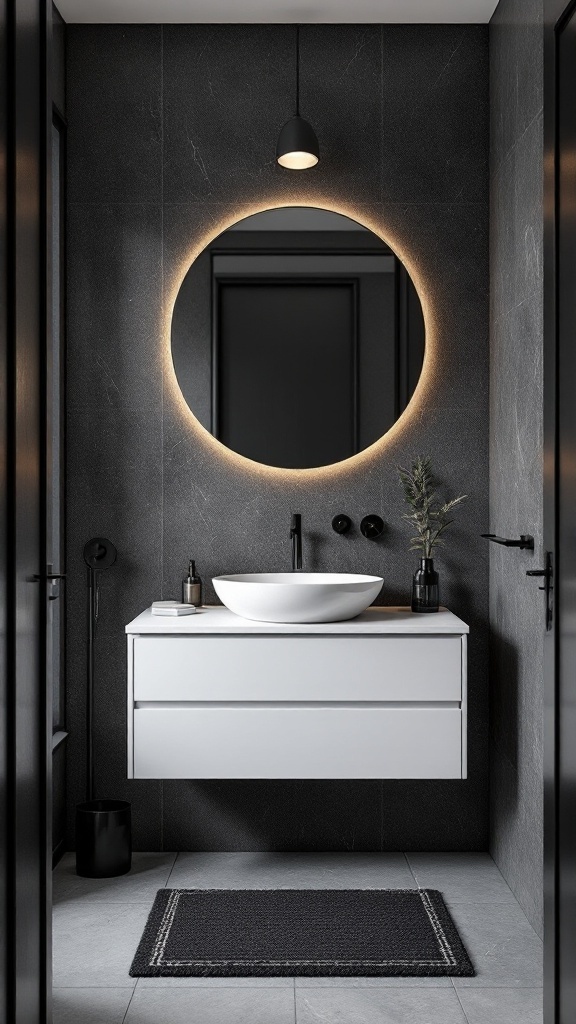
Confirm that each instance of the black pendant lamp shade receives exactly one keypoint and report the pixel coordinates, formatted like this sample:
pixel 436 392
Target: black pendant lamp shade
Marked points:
pixel 297 148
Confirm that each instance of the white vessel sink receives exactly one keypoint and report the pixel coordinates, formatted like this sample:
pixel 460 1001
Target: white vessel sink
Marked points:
pixel 297 596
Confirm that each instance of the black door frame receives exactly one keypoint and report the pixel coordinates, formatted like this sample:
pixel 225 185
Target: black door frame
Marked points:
pixel 4 818
pixel 555 984
pixel 25 710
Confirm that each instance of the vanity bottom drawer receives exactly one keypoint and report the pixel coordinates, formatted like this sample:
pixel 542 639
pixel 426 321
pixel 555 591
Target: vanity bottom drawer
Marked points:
pixel 297 742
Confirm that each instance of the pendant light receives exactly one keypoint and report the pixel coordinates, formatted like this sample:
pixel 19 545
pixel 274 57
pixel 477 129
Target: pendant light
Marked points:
pixel 297 147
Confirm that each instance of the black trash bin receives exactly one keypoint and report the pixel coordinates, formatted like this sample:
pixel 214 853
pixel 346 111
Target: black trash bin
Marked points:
pixel 103 838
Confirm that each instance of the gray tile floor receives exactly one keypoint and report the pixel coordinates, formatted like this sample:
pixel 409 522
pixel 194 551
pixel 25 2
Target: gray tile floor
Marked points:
pixel 98 923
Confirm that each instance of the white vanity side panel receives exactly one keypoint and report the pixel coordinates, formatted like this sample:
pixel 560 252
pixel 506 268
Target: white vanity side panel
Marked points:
pixel 130 719
pixel 314 668
pixel 464 706
pixel 297 743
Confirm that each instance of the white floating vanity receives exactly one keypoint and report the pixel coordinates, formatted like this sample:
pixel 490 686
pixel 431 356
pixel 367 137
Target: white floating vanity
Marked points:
pixel 214 696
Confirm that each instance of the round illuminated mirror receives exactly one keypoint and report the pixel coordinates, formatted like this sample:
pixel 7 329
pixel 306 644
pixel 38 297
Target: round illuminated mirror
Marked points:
pixel 297 337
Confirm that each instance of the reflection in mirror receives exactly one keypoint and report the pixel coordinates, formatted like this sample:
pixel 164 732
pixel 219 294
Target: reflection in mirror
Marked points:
pixel 297 337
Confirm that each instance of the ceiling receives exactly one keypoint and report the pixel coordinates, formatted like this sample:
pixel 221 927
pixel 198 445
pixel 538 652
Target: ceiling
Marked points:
pixel 214 12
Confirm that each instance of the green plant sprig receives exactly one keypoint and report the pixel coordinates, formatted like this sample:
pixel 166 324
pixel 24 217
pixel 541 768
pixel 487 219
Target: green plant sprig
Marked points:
pixel 430 517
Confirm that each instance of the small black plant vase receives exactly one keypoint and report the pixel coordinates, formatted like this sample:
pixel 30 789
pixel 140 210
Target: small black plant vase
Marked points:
pixel 425 589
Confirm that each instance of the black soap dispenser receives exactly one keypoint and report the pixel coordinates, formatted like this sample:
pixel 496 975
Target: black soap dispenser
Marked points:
pixel 192 586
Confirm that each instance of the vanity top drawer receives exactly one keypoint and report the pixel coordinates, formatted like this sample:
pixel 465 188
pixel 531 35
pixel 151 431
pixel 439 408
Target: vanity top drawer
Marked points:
pixel 298 668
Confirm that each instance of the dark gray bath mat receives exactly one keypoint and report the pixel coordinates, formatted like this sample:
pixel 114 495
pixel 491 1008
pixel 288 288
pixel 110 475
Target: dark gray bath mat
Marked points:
pixel 304 932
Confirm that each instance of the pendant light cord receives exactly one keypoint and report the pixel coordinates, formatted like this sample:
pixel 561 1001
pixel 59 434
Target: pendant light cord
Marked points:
pixel 297 70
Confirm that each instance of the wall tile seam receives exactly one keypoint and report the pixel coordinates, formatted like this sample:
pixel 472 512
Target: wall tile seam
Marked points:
pixel 231 205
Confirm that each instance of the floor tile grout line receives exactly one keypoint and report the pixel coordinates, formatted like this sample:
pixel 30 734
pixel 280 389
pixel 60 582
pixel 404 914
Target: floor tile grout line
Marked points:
pixel 176 855
pixel 490 985
pixel 129 1004
pixel 487 903
pixel 383 985
pixel 174 859
pixel 111 903
pixel 405 855
pixel 460 1001
pixel 302 988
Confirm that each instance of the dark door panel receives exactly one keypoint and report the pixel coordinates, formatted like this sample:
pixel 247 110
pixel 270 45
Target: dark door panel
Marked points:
pixel 287 371
pixel 560 510
pixel 26 711
pixel 566 551
pixel 3 532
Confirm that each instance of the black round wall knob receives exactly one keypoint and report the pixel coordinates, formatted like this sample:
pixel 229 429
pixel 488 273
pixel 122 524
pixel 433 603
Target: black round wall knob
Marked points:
pixel 341 523
pixel 99 553
pixel 372 527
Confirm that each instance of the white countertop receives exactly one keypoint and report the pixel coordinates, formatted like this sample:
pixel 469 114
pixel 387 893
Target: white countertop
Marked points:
pixel 217 619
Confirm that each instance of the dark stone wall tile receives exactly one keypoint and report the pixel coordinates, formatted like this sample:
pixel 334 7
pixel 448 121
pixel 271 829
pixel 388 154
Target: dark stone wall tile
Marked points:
pixel 516 222
pixel 143 472
pixel 517 807
pixel 114 314
pixel 335 815
pixel 429 813
pixel 344 61
pixel 228 815
pixel 435 113
pixel 516 452
pixel 114 113
pixel 516 73
pixel 272 815
pixel 114 477
pixel 228 89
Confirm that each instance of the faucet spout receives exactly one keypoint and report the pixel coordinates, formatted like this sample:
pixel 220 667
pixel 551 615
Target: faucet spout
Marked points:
pixel 296 538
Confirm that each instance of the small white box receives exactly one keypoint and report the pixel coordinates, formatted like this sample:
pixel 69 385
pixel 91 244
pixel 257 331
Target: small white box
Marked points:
pixel 172 608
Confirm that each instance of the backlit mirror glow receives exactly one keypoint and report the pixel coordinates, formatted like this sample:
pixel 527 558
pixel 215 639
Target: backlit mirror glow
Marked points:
pixel 297 337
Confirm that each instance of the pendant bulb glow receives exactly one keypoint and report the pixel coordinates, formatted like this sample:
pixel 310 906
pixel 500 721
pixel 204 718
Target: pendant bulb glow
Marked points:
pixel 297 148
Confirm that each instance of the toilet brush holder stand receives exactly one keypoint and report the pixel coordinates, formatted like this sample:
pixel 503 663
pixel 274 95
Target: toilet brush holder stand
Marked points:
pixel 103 827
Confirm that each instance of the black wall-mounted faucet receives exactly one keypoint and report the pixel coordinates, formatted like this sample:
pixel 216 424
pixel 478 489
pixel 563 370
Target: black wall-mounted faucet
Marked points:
pixel 296 538
pixel 372 527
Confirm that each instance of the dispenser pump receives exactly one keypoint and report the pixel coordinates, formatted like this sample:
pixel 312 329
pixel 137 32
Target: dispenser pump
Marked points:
pixel 192 586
